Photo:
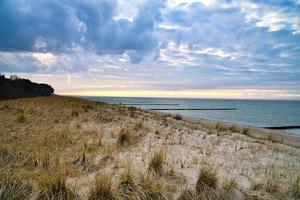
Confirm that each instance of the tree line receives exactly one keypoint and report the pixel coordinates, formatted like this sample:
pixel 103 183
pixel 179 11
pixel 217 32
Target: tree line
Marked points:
pixel 15 87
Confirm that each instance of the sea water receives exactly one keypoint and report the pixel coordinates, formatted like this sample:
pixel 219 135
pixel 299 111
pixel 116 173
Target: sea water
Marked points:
pixel 260 113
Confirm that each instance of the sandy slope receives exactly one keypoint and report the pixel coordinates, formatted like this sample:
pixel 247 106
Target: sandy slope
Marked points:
pixel 81 137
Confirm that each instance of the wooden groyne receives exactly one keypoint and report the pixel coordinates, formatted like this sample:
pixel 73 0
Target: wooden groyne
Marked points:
pixel 282 127
pixel 149 104
pixel 193 109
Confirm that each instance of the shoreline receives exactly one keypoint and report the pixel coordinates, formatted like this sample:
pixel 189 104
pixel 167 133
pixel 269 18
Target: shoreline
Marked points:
pixel 278 136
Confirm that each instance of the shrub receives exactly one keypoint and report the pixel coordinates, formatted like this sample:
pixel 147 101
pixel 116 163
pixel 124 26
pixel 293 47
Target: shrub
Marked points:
pixel 220 127
pixel 157 161
pixel 102 188
pixel 233 128
pixel 245 131
pixel 177 117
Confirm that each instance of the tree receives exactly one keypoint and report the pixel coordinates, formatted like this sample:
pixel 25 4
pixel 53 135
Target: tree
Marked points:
pixel 16 87
pixel 14 77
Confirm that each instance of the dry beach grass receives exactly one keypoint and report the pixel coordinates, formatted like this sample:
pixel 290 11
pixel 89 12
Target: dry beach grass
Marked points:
pixel 69 148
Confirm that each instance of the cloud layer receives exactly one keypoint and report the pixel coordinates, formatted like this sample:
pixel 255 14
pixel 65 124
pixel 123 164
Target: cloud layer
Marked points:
pixel 161 45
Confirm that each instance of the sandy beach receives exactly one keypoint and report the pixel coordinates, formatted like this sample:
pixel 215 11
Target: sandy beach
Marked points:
pixel 70 148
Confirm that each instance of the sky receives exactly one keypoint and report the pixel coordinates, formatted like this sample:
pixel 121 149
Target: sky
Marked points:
pixel 177 48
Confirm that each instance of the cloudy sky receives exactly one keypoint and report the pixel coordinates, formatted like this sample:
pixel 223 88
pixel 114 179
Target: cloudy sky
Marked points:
pixel 174 48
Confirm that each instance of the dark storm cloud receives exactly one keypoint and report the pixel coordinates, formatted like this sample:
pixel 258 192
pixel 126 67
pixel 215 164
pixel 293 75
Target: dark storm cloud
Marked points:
pixel 60 26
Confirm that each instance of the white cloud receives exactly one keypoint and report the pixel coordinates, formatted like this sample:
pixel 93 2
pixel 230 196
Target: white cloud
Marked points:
pixel 271 17
pixel 127 9
pixel 47 59
pixel 206 3
pixel 181 55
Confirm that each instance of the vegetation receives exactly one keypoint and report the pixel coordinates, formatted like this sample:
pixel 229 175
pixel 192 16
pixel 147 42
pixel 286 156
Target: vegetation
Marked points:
pixel 177 117
pixel 15 87
pixel 69 148
pixel 157 161
pixel 102 188
pixel 13 188
pixel 126 137
pixel 52 185
pixel 207 178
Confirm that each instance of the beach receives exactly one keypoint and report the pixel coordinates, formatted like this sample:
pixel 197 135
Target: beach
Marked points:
pixel 89 148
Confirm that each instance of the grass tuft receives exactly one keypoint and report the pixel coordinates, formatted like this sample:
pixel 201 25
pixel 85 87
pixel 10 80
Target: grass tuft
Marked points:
pixel 21 118
pixel 42 159
pixel 207 178
pixel 271 183
pixel 52 185
pixel 188 195
pixel 295 188
pixel 153 188
pixel 127 184
pixel 102 188
pixel 74 113
pixel 126 137
pixel 206 186
pixel 157 161
pixel 12 188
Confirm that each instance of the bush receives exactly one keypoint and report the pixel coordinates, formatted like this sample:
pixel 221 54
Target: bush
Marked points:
pixel 245 131
pixel 177 117
pixel 233 129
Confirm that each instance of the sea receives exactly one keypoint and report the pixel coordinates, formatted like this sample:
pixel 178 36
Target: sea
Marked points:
pixel 259 113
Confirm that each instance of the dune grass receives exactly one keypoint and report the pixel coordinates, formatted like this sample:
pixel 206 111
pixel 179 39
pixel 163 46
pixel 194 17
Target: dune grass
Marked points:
pixel 102 188
pixel 157 161
pixel 126 137
pixel 51 148
pixel 13 188
pixel 52 185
